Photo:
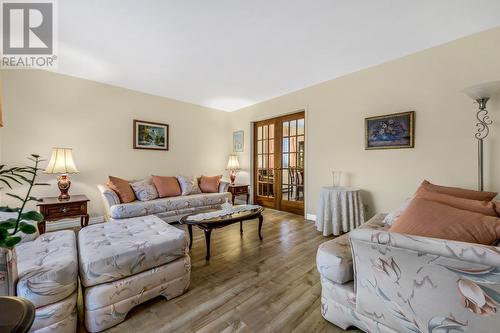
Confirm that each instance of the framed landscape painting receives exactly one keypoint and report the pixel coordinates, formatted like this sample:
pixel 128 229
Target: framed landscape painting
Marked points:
pixel 148 135
pixel 238 138
pixel 390 131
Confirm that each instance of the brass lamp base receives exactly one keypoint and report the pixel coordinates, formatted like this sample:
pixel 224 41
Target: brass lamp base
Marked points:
pixel 232 176
pixel 64 183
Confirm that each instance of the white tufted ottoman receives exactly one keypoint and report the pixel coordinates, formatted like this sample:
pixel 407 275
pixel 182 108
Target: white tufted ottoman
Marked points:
pixel 127 262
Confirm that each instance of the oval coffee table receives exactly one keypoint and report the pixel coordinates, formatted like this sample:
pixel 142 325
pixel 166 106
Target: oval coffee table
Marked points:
pixel 221 221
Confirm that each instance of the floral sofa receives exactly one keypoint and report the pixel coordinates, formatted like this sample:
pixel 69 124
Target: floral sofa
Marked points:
pixel 168 209
pixel 388 282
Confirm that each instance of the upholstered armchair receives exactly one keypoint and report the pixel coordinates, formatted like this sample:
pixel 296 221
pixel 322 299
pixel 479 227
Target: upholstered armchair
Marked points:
pixel 44 270
pixel 387 282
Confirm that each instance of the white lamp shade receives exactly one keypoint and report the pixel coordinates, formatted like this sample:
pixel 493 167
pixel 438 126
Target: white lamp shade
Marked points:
pixel 232 163
pixel 61 161
pixel 483 90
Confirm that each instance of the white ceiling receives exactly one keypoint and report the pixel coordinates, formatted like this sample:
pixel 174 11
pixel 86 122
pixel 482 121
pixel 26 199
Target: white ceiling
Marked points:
pixel 228 54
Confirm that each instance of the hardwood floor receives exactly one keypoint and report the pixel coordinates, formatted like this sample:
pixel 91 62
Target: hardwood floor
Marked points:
pixel 247 286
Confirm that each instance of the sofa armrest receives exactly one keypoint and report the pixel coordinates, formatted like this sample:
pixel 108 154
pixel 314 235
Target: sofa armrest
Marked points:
pixel 384 240
pixel 223 186
pixel 109 198
pixel 420 282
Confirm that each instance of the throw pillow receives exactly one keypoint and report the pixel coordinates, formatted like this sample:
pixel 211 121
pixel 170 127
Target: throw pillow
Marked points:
pixel 482 207
pixel 209 184
pixel 393 216
pixel 458 192
pixel 167 186
pixel 144 190
pixel 189 185
pixel 122 189
pixel 433 219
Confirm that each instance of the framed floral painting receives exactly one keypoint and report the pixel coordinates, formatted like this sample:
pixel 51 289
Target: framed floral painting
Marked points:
pixel 148 135
pixel 390 131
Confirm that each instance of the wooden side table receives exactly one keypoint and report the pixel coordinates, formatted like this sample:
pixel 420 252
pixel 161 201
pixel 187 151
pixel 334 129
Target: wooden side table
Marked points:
pixel 53 209
pixel 236 190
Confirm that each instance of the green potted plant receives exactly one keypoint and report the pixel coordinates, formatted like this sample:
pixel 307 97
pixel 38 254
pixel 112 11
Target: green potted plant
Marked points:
pixel 15 222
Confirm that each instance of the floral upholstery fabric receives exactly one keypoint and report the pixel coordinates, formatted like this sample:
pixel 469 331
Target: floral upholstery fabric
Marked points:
pixel 144 190
pixel 107 304
pixel 67 325
pixel 416 284
pixel 121 248
pixel 420 284
pixel 334 257
pixel 172 204
pixel 54 314
pixel 47 268
pixel 189 185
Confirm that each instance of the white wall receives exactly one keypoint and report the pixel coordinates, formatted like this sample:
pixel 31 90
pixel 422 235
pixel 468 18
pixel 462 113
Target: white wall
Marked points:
pixel 44 110
pixel 427 82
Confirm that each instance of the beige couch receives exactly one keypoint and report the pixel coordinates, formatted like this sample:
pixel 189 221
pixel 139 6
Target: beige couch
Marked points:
pixel 168 209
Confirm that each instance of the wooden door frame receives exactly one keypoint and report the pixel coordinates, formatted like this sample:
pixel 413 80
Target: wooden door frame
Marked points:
pixel 278 174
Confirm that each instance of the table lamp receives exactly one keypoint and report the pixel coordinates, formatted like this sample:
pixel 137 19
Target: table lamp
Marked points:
pixel 62 163
pixel 233 165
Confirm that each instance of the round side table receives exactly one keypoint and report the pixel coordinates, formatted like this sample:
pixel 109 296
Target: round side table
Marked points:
pixel 16 314
pixel 340 210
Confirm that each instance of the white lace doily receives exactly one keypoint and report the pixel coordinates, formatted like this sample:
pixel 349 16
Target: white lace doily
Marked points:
pixel 219 213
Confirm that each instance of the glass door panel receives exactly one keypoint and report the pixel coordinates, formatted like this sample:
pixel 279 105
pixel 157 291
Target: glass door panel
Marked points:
pixel 265 160
pixel 293 157
pixel 279 154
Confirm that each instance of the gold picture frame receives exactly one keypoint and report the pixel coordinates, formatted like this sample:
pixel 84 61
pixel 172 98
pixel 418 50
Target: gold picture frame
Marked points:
pixel 390 131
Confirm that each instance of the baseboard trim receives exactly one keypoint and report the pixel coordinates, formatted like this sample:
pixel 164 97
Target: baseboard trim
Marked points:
pixel 311 217
pixel 71 223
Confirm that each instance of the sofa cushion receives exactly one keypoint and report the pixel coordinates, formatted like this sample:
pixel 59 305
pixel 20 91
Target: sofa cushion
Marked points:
pixel 334 257
pixel 144 190
pixel 458 192
pixel 167 186
pixel 157 206
pixel 189 185
pixel 482 207
pixel 122 188
pixel 210 184
pixel 47 268
pixel 432 219
pixel 117 249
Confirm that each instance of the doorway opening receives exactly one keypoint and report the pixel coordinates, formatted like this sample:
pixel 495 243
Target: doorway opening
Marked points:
pixel 279 163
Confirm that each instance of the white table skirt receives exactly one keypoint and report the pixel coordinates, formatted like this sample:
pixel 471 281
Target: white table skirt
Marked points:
pixel 340 210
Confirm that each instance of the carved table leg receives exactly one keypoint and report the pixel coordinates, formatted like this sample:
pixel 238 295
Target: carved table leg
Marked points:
pixel 190 229
pixel 84 220
pixel 261 219
pixel 208 232
pixel 41 227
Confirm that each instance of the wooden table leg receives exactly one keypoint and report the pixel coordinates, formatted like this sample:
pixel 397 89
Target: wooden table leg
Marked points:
pixel 232 198
pixel 241 227
pixel 248 197
pixel 84 220
pixel 208 232
pixel 261 219
pixel 41 227
pixel 190 229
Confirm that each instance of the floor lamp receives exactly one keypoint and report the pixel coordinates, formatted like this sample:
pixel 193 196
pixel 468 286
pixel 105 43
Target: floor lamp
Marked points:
pixel 481 94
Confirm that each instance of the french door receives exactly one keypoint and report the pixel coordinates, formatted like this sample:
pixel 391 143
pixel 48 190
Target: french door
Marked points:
pixel 279 155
